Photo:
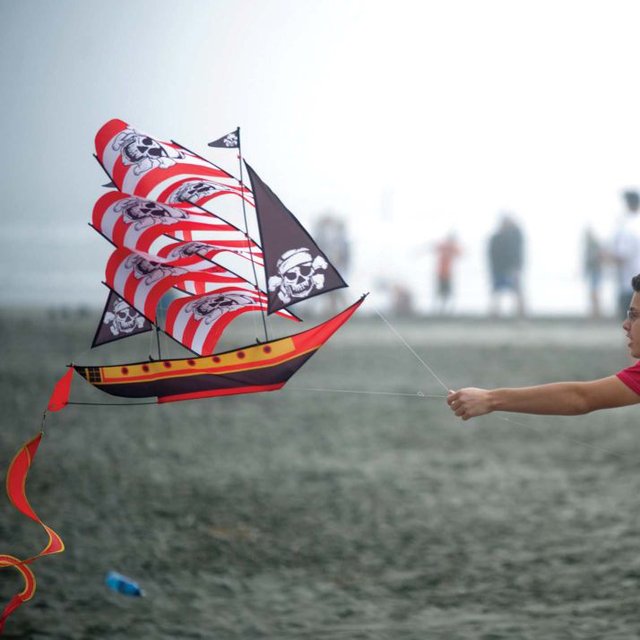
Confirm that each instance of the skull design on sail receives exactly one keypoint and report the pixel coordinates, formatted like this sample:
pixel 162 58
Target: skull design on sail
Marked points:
pixel 123 319
pixel 299 274
pixel 145 213
pixel 189 249
pixel 230 140
pixel 149 270
pixel 210 308
pixel 142 152
pixel 194 191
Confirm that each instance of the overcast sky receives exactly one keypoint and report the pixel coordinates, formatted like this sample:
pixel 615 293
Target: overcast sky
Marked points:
pixel 408 118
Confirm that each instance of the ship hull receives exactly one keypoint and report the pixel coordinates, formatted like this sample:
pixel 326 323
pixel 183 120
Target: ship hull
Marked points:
pixel 251 369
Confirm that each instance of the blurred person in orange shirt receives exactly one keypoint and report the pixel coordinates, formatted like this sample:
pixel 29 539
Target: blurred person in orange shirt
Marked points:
pixel 447 252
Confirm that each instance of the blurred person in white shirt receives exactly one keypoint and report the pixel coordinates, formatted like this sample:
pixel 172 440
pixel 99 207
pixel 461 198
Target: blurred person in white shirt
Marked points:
pixel 625 249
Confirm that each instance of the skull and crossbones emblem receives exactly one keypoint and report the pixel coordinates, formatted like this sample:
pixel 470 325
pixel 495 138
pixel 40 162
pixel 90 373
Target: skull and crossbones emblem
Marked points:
pixel 193 191
pixel 210 308
pixel 145 213
pixel 189 249
pixel 298 274
pixel 123 319
pixel 143 152
pixel 149 270
pixel 230 140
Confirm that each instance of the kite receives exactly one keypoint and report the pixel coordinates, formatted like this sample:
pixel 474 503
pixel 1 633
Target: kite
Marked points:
pixel 193 249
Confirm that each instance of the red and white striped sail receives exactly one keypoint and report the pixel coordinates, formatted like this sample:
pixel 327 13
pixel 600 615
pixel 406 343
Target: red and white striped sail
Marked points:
pixel 141 165
pixel 197 322
pixel 142 279
pixel 136 223
pixel 193 252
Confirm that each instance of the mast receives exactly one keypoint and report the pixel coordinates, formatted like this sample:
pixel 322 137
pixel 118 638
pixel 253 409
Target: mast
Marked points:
pixel 158 341
pixel 246 226
pixel 244 211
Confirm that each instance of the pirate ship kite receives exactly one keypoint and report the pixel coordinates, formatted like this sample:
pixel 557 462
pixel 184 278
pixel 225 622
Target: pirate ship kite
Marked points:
pixel 187 262
pixel 194 248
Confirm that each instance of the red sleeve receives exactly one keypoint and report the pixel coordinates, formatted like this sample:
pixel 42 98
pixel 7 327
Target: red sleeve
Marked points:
pixel 631 377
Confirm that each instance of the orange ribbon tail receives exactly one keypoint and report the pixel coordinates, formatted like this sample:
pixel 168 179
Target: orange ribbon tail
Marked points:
pixel 16 490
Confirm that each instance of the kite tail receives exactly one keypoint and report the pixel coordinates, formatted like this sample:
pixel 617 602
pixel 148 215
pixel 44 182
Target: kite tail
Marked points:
pixel 16 490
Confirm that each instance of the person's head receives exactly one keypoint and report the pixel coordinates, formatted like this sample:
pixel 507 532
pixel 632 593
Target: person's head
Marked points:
pixel 632 200
pixel 632 324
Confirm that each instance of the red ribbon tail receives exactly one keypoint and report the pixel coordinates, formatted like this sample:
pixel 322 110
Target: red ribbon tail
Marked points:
pixel 20 598
pixel 16 490
pixel 60 396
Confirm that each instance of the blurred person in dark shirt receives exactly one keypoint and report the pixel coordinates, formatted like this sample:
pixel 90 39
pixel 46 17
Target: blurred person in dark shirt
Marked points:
pixel 506 259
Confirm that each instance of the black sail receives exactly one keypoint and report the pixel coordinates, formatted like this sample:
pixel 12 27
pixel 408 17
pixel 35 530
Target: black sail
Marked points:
pixel 119 320
pixel 296 268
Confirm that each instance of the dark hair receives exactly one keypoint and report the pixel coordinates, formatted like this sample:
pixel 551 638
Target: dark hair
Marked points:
pixel 635 283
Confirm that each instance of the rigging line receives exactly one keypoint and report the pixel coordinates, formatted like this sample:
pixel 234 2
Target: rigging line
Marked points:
pixel 408 346
pixel 584 443
pixel 158 342
pixel 246 230
pixel 244 213
pixel 417 394
pixel 150 341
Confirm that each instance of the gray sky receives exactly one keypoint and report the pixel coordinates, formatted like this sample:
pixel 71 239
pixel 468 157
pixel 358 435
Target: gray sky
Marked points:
pixel 408 118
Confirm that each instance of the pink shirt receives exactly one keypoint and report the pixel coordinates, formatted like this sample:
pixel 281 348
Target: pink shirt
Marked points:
pixel 631 377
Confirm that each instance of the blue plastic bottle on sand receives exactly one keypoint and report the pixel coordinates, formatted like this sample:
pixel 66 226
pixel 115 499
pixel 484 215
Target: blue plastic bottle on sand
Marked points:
pixel 122 584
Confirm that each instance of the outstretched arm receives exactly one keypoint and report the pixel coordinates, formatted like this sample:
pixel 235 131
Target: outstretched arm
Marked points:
pixel 557 398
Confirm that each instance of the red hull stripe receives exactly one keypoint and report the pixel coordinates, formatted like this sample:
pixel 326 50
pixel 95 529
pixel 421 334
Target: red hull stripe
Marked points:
pixel 244 370
pixel 220 392
pixel 112 375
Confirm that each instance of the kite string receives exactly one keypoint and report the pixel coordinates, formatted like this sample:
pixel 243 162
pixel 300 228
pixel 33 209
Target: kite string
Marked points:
pixel 504 418
pixel 410 348
pixel 417 394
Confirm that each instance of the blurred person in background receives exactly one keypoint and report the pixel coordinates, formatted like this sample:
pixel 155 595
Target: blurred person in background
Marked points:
pixel 563 398
pixel 401 300
pixel 506 259
pixel 331 236
pixel 593 258
pixel 399 294
pixel 447 252
pixel 625 249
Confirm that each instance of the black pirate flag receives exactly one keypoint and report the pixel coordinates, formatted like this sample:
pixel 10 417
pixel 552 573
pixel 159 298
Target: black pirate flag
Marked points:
pixel 296 268
pixel 119 320
pixel 230 141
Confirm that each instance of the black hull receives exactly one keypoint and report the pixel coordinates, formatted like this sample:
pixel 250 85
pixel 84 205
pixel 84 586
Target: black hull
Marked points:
pixel 252 369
